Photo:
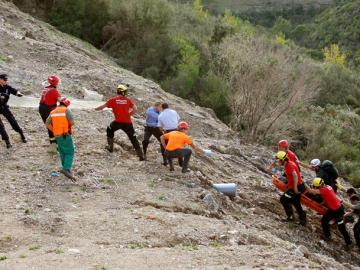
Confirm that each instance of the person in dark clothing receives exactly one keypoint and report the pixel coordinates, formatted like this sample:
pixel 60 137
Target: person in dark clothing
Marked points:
pixel 49 98
pixel 152 129
pixel 326 171
pixel 295 187
pixel 335 209
pixel 355 210
pixel 123 108
pixel 5 92
pixel 350 192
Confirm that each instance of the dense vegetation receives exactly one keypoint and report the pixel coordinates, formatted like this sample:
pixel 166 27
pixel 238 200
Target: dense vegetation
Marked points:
pixel 259 82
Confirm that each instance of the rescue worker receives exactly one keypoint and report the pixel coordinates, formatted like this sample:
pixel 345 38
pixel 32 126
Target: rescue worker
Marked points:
pixel 48 101
pixel 328 172
pixel 335 209
pixel 175 146
pixel 152 129
pixel 5 92
pixel 123 108
pixel 284 145
pixel 295 187
pixel 355 210
pixel 61 122
pixel 168 121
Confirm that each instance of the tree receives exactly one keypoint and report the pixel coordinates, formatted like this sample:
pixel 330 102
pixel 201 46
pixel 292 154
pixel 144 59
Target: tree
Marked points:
pixel 333 55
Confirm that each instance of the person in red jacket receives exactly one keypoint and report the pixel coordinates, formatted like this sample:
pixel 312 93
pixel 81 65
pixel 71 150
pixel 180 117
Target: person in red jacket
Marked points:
pixel 295 187
pixel 284 146
pixel 48 101
pixel 123 108
pixel 335 209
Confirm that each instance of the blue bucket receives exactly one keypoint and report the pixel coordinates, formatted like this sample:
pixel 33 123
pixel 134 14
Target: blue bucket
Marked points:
pixel 228 189
pixel 208 153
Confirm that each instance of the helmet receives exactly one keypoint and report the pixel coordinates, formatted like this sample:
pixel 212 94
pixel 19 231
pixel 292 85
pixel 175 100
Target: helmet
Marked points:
pixel 3 77
pixel 317 182
pixel 65 101
pixel 281 155
pixel 284 144
pixel 315 162
pixel 183 125
pixel 122 89
pixel 54 80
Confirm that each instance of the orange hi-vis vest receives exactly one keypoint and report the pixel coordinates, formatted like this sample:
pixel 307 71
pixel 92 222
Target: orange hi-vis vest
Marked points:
pixel 60 123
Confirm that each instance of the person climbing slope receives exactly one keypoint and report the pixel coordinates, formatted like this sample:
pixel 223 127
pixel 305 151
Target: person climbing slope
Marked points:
pixel 284 145
pixel 123 108
pixel 335 209
pixel 152 129
pixel 5 92
pixel 48 101
pixel 355 210
pixel 175 146
pixel 60 122
pixel 326 171
pixel 295 187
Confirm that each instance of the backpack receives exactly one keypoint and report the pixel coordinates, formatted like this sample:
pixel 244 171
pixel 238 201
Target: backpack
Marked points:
pixel 330 170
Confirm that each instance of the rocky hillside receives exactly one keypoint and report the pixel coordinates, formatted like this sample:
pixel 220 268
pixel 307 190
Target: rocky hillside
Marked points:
pixel 123 214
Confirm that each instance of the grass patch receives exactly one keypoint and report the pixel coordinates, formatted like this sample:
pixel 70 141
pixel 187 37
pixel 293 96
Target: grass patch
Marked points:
pixel 189 247
pixel 56 251
pixel 216 244
pixel 242 263
pixel 34 247
pixel 22 256
pixel 162 197
pixel 52 152
pixel 3 258
pixel 136 245
pixel 108 181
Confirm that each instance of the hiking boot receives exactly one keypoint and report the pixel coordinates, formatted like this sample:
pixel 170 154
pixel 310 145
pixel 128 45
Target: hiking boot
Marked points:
pixel 171 165
pixel 140 154
pixel 288 219
pixel 303 219
pixel 68 174
pixel 8 144
pixel 184 170
pixel 110 146
pixel 325 238
pixel 348 247
pixel 23 139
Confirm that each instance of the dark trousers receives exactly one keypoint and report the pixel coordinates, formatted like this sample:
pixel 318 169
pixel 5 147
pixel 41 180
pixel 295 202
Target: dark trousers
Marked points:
pixel 183 154
pixel 357 233
pixel 152 131
pixel 338 215
pixel 128 128
pixel 289 199
pixel 5 111
pixel 45 111
pixel 180 159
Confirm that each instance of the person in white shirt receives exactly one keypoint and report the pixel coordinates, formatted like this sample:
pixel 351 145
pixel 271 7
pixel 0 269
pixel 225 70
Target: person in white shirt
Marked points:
pixel 168 119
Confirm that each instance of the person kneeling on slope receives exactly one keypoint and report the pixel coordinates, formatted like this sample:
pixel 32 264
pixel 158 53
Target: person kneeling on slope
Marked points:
pixel 123 108
pixel 60 123
pixel 335 209
pixel 175 147
pixel 295 187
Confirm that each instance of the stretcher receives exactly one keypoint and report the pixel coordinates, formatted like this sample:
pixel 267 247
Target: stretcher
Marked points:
pixel 317 207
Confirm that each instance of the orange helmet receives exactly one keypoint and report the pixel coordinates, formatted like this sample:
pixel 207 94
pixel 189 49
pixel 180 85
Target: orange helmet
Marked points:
pixel 183 125
pixel 54 80
pixel 283 144
pixel 65 101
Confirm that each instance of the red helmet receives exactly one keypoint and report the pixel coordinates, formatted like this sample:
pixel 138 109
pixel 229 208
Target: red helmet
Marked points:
pixel 183 125
pixel 65 101
pixel 283 144
pixel 54 80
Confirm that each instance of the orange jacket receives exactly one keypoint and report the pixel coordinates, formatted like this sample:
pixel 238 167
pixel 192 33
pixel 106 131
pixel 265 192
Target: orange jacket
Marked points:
pixel 59 122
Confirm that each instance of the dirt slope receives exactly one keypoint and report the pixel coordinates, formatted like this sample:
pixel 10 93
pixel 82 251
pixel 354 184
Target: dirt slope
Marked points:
pixel 124 214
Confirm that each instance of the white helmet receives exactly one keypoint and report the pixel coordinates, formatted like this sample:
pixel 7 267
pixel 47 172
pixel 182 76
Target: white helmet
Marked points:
pixel 315 162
